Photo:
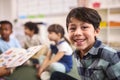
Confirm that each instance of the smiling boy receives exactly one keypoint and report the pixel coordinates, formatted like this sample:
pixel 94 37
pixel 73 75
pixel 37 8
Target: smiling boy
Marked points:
pixel 95 61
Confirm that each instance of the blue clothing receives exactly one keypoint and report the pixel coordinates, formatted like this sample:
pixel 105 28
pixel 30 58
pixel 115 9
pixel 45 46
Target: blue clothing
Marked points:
pixel 12 43
pixel 66 60
pixel 100 63
pixel 56 66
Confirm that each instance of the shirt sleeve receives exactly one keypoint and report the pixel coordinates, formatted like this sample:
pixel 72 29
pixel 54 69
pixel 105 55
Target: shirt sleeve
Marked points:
pixel 65 47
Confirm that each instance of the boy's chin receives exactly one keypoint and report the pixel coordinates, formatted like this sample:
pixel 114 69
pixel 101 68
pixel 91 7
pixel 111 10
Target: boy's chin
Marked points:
pixel 79 47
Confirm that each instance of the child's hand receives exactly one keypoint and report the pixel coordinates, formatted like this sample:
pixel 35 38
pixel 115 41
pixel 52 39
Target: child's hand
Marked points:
pixel 11 70
pixel 4 71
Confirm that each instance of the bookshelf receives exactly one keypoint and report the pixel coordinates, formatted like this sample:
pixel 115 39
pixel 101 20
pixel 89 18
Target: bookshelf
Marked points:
pixel 110 25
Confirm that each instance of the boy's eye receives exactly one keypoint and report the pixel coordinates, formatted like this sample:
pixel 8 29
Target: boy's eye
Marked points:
pixel 84 27
pixel 72 27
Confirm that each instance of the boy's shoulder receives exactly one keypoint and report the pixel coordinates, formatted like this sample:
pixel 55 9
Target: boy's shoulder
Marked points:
pixel 109 54
pixel 103 49
pixel 108 50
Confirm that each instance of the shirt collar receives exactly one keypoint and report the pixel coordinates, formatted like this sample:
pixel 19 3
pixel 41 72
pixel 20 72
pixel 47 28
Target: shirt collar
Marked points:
pixel 59 42
pixel 94 50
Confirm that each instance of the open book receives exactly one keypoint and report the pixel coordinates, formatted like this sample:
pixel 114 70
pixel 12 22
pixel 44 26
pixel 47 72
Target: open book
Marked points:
pixel 17 56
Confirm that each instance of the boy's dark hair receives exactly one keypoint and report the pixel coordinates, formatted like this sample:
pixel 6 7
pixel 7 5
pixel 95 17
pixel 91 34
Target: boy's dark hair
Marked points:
pixel 32 26
pixel 6 22
pixel 57 29
pixel 86 15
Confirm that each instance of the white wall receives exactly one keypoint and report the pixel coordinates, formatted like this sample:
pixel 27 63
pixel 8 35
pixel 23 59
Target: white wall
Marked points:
pixel 8 10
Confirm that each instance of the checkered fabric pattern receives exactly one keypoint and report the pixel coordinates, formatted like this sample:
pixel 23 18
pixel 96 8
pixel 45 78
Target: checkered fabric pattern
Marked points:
pixel 100 63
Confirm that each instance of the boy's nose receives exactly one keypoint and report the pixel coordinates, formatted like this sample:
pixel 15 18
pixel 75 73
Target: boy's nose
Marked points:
pixel 78 31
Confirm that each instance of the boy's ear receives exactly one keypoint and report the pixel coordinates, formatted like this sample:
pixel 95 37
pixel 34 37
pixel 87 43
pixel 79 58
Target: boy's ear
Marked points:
pixel 97 31
pixel 59 34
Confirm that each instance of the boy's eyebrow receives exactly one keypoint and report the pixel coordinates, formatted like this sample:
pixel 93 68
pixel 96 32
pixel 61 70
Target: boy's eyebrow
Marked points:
pixel 80 23
pixel 71 24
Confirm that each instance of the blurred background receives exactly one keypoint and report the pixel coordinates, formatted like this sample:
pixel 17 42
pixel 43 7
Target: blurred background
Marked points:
pixel 46 12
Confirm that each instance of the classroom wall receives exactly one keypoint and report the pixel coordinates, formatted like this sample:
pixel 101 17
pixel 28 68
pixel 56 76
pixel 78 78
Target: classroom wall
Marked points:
pixel 5 9
pixel 8 10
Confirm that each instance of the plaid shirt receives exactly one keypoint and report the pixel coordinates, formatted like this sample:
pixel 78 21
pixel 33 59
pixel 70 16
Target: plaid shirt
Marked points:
pixel 100 63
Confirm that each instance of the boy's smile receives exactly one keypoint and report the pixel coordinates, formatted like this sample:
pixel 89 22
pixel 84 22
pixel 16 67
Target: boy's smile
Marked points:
pixel 82 34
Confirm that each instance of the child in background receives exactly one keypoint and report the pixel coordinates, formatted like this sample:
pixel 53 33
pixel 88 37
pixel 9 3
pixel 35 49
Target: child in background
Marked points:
pixel 62 60
pixel 32 37
pixel 6 41
pixel 95 60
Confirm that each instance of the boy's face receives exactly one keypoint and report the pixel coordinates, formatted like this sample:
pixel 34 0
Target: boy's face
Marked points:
pixel 82 34
pixel 5 30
